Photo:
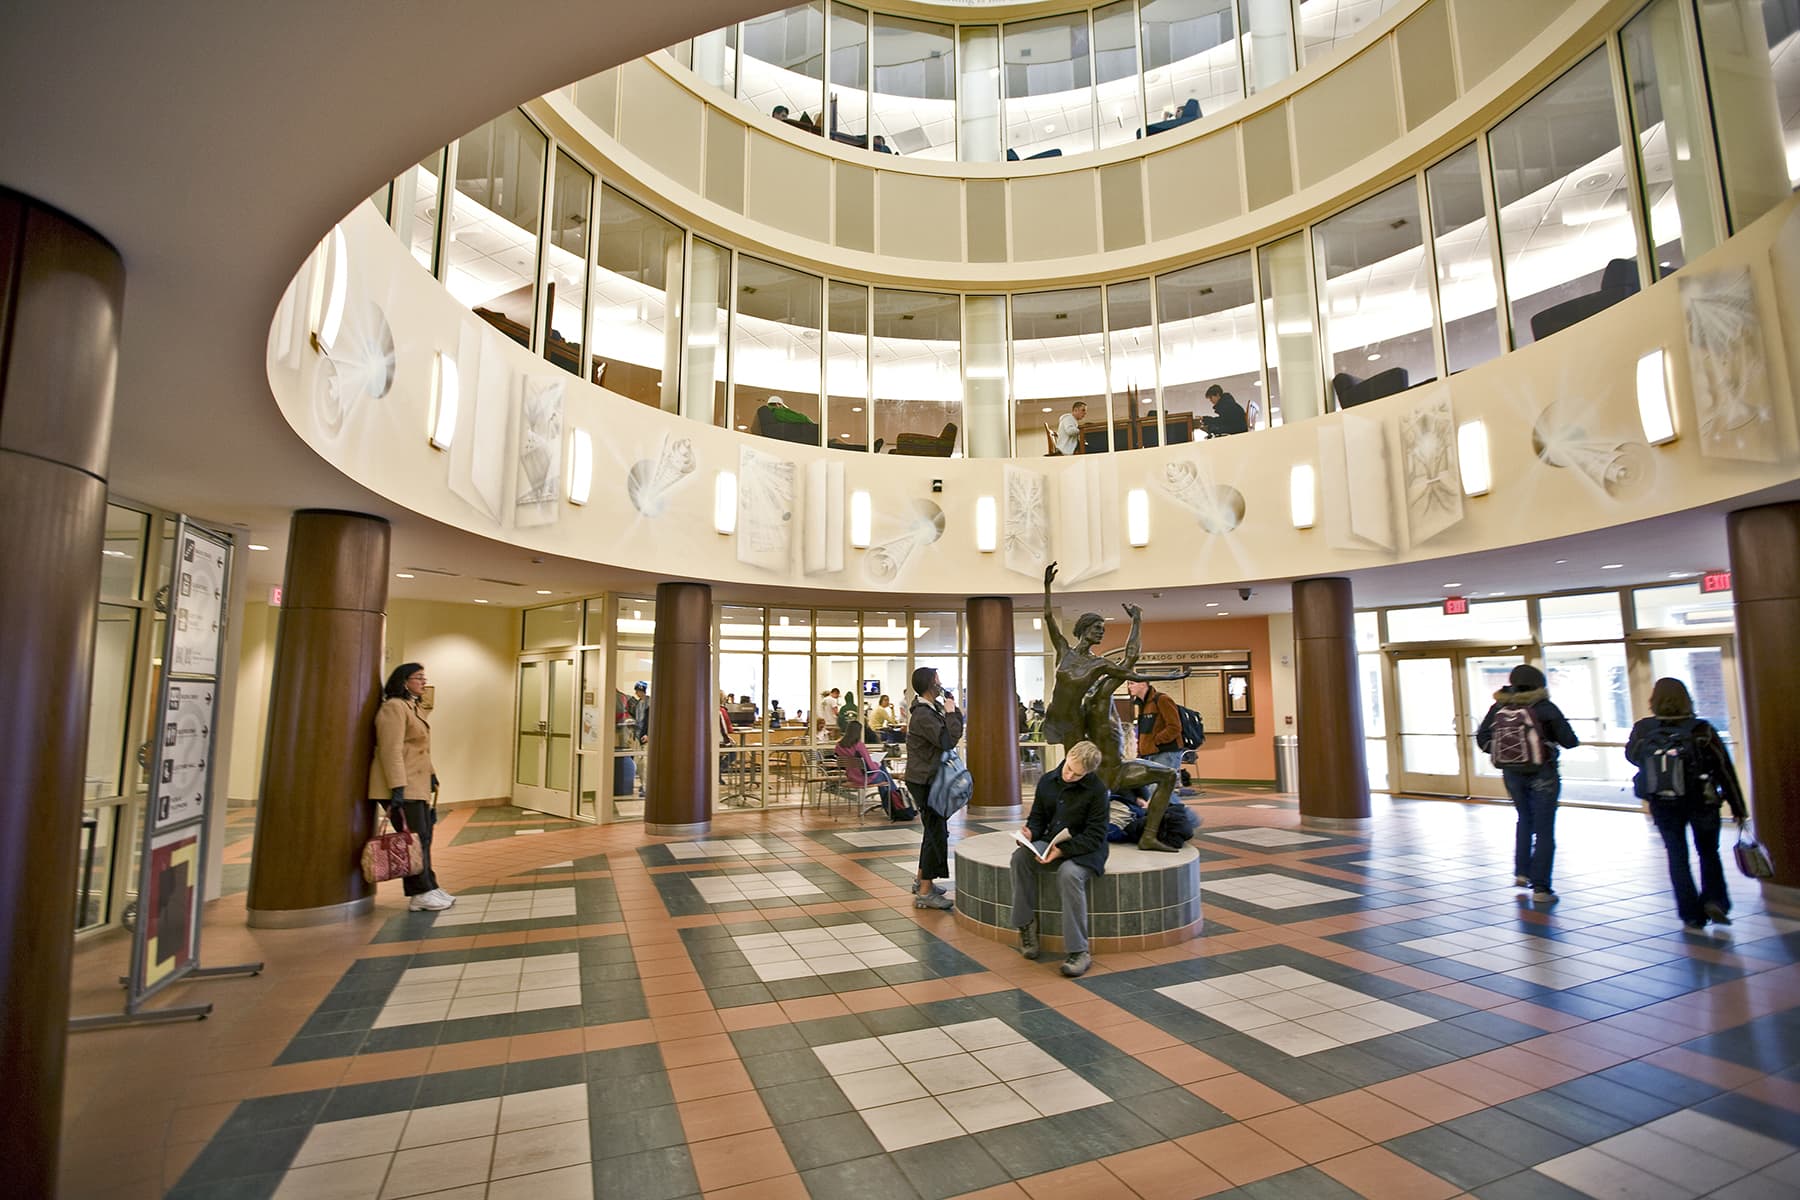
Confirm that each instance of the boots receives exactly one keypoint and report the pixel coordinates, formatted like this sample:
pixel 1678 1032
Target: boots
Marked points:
pixel 1159 804
pixel 1028 941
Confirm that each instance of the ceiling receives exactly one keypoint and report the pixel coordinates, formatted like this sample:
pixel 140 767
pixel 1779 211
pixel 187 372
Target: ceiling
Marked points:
pixel 213 143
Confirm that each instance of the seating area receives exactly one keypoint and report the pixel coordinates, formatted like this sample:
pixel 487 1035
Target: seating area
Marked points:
pixel 786 424
pixel 925 445
pixel 1617 281
pixel 1351 391
pixel 1189 111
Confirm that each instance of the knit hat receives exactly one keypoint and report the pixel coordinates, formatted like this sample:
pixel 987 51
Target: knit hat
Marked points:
pixel 1525 678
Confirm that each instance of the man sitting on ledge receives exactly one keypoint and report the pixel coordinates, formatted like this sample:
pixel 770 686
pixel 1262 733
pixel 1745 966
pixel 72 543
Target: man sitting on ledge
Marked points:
pixel 1067 826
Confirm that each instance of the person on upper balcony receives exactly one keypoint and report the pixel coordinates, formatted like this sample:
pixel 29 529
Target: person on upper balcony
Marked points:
pixel 1228 416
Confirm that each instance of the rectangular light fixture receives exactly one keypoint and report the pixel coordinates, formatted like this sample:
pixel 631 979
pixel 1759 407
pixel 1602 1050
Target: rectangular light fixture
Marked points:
pixel 725 502
pixel 1137 517
pixel 862 520
pixel 987 524
pixel 445 397
pixel 1472 457
pixel 581 466
pixel 1656 404
pixel 1302 503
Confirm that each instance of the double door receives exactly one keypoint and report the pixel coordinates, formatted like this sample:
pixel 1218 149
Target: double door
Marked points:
pixel 544 742
pixel 1442 696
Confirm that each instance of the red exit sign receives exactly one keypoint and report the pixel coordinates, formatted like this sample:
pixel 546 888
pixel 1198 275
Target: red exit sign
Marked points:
pixel 275 595
pixel 1456 606
pixel 1715 581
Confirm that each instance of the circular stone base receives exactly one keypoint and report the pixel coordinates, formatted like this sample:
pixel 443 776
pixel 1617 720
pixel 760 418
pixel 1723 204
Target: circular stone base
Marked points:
pixel 1145 900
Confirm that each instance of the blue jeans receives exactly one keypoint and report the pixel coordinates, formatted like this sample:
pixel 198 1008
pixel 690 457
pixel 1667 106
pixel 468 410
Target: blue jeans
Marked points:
pixel 1534 842
pixel 1674 821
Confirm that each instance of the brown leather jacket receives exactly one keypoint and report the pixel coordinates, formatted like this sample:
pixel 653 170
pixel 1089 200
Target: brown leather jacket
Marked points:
pixel 1164 734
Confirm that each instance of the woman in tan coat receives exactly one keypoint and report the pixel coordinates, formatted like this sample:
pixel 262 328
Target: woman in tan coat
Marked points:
pixel 402 778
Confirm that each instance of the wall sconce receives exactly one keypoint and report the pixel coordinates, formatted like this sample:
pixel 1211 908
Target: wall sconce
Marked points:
pixel 1656 409
pixel 1137 517
pixel 987 524
pixel 330 290
pixel 1302 504
pixel 445 397
pixel 1472 457
pixel 581 466
pixel 862 520
pixel 725 502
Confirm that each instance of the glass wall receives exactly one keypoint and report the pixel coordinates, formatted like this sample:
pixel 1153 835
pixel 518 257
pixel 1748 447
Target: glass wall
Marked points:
pixel 987 407
pixel 1048 84
pixel 567 254
pixel 917 348
pixel 1665 117
pixel 1131 365
pixel 1327 24
pixel 1059 362
pixel 783 65
pixel 637 302
pixel 847 98
pixel 1208 337
pixel 1118 103
pixel 1289 332
pixel 1468 301
pixel 776 352
pixel 1268 42
pixel 847 366
pixel 1567 241
pixel 708 349
pixel 491 248
pixel 1376 298
pixel 1753 77
pixel 913 102
pixel 1191 65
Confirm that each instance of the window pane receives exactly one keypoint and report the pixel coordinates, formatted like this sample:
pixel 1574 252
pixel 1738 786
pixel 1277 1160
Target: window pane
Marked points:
pixel 1293 343
pixel 1566 238
pixel 1131 346
pixel 1377 311
pixel 122 554
pixel 1579 618
pixel 1208 333
pixel 915 87
pixel 415 208
pixel 1116 73
pixel 1059 360
pixel 715 58
pixel 918 371
pixel 986 407
pixel 708 326
pixel 1665 116
pixel 552 627
pixel 571 211
pixel 777 369
pixel 1368 688
pixel 978 108
pixel 1493 621
pixel 115 652
pixel 784 64
pixel 491 251
pixel 636 621
pixel 1190 54
pixel 1049 87
pixel 847 366
pixel 1327 24
pixel 1683 606
pixel 1753 79
pixel 1268 41
pixel 1467 299
pixel 1702 668
pixel 637 302
pixel 1368 631
pixel 1590 685
pixel 847 103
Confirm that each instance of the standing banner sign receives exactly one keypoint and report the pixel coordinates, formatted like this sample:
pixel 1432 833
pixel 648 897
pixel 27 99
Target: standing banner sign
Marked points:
pixel 165 945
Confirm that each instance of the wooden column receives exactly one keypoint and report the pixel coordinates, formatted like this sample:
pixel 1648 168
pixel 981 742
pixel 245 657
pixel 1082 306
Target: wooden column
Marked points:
pixel 61 291
pixel 684 713
pixel 313 813
pixel 1334 781
pixel 1765 581
pixel 991 707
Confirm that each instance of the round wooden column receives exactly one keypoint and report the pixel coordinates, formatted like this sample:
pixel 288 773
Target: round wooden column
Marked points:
pixel 313 814
pixel 1334 781
pixel 1765 582
pixel 61 291
pixel 991 708
pixel 684 714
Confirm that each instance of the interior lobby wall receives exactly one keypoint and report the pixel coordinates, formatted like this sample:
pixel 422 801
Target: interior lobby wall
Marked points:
pixel 256 658
pixel 1230 755
pixel 1281 665
pixel 469 654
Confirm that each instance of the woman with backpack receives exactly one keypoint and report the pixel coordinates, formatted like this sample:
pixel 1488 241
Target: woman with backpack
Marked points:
pixel 1684 772
pixel 860 770
pixel 1520 734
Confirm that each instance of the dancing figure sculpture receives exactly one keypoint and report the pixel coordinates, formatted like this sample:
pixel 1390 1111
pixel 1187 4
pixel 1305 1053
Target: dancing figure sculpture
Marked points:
pixel 1081 708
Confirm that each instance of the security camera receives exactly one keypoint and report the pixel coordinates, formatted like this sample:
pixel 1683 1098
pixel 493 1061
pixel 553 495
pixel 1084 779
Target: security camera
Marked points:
pixel 937 485
pixel 1245 593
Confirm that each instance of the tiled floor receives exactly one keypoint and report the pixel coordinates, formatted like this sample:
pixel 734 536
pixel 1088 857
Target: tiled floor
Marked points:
pixel 763 1014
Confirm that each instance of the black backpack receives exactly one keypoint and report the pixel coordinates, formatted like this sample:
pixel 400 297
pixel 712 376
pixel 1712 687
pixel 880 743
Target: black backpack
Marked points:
pixel 1193 728
pixel 1669 761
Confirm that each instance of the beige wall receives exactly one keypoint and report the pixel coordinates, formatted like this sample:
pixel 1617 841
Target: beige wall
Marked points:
pixel 256 659
pixel 1281 667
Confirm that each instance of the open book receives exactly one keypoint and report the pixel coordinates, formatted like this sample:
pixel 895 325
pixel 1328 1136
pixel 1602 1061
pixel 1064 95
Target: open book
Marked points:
pixel 1040 849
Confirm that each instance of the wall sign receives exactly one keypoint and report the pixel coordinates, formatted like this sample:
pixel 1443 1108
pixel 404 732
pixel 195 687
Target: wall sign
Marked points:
pixel 1456 606
pixel 1715 581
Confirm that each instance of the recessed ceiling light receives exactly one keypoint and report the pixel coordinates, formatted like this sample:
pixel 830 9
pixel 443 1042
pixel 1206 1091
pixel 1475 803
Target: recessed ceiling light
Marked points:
pixel 257 546
pixel 1672 574
pixel 1374 358
pixel 1212 604
pixel 1221 614
pixel 1451 585
pixel 1561 561
pixel 856 408
pixel 114 554
pixel 1496 593
pixel 480 601
pixel 543 591
pixel 1610 566
pixel 743 427
pixel 403 575
pixel 1046 409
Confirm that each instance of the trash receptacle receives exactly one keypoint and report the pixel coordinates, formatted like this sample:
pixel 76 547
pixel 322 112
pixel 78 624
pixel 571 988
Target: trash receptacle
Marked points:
pixel 1287 762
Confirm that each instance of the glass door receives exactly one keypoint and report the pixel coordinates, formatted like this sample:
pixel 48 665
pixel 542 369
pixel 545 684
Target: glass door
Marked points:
pixel 1709 668
pixel 545 746
pixel 1482 676
pixel 1443 696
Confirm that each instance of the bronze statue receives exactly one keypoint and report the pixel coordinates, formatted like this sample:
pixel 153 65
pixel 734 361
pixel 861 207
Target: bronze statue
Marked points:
pixel 1081 707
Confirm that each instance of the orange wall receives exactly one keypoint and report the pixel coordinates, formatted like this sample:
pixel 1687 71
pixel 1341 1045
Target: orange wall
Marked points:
pixel 1228 755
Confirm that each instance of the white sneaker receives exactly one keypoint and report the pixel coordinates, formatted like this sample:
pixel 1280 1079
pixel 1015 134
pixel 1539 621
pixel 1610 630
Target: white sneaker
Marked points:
pixel 427 902
pixel 441 894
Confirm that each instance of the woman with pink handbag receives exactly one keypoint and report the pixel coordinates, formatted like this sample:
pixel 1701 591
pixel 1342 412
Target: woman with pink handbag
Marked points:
pixel 402 778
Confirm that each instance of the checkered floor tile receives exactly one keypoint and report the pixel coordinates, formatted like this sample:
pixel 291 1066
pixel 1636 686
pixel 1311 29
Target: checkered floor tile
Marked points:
pixel 1686 1154
pixel 819 951
pixel 1521 955
pixel 531 905
pixel 1293 1011
pixel 753 885
pixel 930 1085
pixel 1275 891
pixel 480 989
pixel 1263 836
pixel 719 848
pixel 872 838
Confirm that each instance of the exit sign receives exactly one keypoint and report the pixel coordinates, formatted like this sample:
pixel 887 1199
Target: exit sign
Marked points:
pixel 275 595
pixel 1715 581
pixel 1456 606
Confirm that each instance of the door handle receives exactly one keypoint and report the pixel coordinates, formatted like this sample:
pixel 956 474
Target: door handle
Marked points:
pixel 543 726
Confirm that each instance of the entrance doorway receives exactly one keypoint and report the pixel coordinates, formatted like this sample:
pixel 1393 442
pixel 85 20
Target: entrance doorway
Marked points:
pixel 545 750
pixel 1442 697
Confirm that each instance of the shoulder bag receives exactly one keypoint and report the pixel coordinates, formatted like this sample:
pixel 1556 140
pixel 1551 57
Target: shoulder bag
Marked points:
pixel 393 855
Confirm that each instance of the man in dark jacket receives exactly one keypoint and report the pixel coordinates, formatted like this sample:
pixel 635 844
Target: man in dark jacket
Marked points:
pixel 1068 825
pixel 1522 716
pixel 932 727
pixel 1228 416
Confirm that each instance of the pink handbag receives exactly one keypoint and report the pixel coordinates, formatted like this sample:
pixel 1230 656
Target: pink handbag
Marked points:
pixel 392 855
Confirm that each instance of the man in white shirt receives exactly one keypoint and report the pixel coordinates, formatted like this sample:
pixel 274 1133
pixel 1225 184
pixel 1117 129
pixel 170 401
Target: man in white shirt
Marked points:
pixel 1068 430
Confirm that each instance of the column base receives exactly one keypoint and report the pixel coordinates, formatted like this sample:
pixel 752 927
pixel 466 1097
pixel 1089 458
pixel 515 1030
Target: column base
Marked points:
pixel 691 829
pixel 1352 824
pixel 993 812
pixel 301 918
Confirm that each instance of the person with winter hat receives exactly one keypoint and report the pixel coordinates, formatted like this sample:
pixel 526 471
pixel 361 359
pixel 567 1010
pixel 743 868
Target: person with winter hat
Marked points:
pixel 1520 734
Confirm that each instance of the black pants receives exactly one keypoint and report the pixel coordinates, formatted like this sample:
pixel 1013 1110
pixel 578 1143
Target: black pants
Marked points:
pixel 934 851
pixel 418 820
pixel 1677 821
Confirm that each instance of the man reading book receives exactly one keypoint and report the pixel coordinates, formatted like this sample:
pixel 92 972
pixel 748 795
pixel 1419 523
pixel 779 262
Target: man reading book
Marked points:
pixel 1065 833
